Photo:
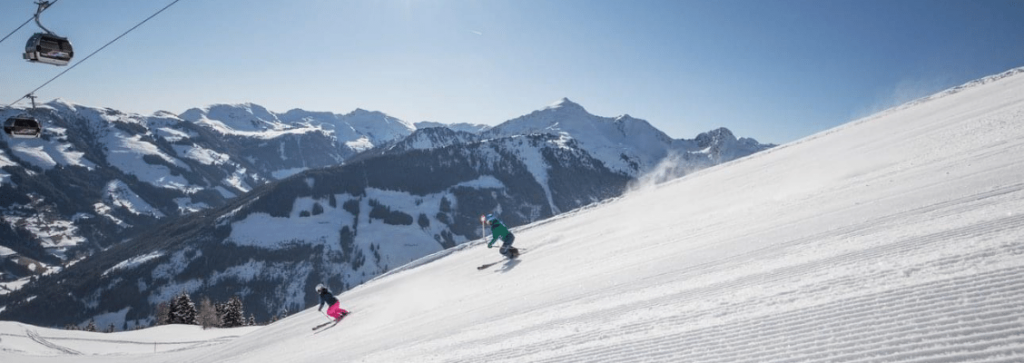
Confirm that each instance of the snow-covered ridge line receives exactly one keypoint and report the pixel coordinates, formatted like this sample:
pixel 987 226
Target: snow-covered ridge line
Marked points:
pixel 950 91
pixel 134 262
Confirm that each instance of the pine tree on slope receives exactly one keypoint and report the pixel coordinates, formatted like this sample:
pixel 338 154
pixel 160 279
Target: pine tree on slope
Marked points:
pixel 233 313
pixel 183 311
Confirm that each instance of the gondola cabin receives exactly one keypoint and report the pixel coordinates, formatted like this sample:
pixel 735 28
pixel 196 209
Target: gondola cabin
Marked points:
pixel 49 49
pixel 22 127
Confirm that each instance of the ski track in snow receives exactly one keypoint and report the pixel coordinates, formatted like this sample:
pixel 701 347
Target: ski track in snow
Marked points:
pixel 975 317
pixel 42 341
pixel 58 345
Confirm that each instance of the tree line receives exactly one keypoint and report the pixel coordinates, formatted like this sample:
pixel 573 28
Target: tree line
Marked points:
pixel 182 310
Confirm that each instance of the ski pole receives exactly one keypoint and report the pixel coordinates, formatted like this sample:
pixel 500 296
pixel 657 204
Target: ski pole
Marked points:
pixel 483 228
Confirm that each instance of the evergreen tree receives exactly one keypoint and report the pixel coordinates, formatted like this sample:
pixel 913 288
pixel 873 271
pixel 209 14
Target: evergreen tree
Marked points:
pixel 111 328
pixel 236 304
pixel 91 326
pixel 252 319
pixel 183 310
pixel 189 313
pixel 221 309
pixel 233 313
pixel 172 311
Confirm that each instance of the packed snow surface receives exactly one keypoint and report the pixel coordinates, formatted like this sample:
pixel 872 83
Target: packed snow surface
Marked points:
pixel 26 343
pixel 896 238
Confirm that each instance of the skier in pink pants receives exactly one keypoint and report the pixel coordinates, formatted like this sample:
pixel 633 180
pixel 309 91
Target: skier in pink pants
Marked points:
pixel 334 309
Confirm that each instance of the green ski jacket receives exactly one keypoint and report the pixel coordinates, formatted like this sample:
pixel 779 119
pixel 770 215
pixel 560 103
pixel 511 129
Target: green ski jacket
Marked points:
pixel 498 231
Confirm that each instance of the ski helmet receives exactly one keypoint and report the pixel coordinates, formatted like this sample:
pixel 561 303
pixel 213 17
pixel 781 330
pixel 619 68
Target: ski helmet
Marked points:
pixel 320 287
pixel 491 217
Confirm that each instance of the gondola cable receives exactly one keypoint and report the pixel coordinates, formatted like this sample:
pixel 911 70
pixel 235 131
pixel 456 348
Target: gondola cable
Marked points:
pixel 94 52
pixel 16 30
pixel 23 24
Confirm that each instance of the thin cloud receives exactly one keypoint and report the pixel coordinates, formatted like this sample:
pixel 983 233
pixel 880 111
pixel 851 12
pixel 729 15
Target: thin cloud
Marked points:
pixel 477 32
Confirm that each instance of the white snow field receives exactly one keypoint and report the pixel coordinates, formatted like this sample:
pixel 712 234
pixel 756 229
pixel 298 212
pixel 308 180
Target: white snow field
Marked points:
pixel 896 238
pixel 26 341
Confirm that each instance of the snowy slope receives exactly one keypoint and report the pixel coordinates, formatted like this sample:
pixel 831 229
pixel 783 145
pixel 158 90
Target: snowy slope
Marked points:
pixel 27 340
pixel 430 138
pixel 896 238
pixel 96 172
pixel 239 118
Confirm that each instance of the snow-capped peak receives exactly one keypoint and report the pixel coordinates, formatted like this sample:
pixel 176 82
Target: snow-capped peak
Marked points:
pixel 564 104
pixel 606 138
pixel 229 118
pixel 367 128
pixel 361 116
pixel 718 135
pixel 60 101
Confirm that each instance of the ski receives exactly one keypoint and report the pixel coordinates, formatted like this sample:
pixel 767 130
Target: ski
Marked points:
pixel 331 323
pixel 324 324
pixel 486 265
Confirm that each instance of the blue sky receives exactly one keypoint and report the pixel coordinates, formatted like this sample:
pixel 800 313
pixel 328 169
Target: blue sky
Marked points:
pixel 773 70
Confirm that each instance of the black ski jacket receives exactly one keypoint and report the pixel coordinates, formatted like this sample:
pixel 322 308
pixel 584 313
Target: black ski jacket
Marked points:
pixel 326 297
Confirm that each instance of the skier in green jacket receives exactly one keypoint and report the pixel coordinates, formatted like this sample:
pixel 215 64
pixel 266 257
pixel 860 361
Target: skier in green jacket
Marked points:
pixel 499 231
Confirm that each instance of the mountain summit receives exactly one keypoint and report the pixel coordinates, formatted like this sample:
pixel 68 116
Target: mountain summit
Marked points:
pixel 626 144
pixel 565 105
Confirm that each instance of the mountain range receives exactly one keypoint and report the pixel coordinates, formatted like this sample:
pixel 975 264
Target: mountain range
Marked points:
pixel 110 213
